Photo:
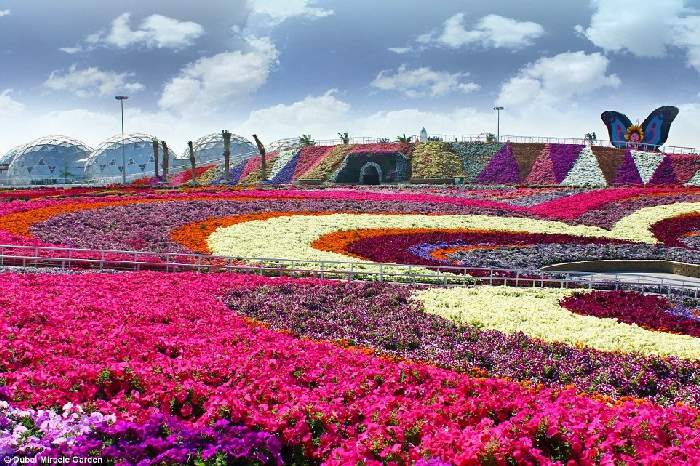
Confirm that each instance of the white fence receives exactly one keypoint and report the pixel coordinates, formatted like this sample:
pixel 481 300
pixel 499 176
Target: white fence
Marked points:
pixel 71 258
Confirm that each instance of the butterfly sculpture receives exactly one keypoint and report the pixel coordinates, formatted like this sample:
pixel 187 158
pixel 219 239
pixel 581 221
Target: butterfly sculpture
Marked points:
pixel 651 134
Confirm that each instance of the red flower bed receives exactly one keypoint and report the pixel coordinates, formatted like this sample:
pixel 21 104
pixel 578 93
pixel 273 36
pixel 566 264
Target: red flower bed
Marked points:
pixel 309 157
pixel 671 231
pixel 647 311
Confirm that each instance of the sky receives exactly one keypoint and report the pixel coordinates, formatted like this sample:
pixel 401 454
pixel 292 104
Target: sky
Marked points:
pixel 374 68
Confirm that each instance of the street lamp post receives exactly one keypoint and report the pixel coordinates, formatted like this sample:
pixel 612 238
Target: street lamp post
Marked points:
pixel 498 122
pixel 121 99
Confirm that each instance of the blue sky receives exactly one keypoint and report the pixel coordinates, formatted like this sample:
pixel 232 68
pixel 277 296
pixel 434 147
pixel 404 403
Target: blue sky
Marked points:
pixel 373 68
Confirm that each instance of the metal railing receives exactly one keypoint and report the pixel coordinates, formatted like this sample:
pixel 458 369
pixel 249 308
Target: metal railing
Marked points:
pixel 104 259
pixel 516 139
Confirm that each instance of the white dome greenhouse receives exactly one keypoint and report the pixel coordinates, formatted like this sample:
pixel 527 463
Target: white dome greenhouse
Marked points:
pixel 47 160
pixel 210 149
pixel 104 165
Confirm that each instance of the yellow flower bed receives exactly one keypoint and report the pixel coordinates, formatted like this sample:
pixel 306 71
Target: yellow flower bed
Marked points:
pixel 537 313
pixel 433 159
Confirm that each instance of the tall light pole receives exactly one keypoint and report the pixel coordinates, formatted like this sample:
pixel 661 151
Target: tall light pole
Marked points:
pixel 121 99
pixel 498 123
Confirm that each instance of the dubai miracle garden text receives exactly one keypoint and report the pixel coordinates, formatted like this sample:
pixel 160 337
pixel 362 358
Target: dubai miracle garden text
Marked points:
pixel 58 460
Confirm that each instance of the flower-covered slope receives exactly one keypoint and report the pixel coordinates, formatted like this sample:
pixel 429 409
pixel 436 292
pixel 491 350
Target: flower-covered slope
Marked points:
pixel 476 162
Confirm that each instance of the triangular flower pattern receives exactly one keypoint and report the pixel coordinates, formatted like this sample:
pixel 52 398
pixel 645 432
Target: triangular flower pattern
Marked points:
pixel 585 171
pixel 627 172
pixel 685 166
pixel 563 158
pixel 664 174
pixel 502 169
pixel 695 180
pixel 647 163
pixel 542 173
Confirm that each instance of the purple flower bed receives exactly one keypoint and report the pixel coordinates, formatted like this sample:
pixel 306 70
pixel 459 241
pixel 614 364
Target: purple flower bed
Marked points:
pixel 502 169
pixel 664 173
pixel 237 171
pixel 147 227
pixel 563 158
pixel 285 175
pixel 537 256
pixel 383 317
pixel 167 440
pixel 627 173
pixel 29 433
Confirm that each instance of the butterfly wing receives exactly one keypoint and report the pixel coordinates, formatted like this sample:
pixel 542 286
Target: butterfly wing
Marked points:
pixel 617 125
pixel 657 125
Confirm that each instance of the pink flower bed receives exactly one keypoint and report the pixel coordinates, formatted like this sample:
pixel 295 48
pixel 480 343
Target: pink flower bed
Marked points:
pixel 185 176
pixel 383 148
pixel 139 343
pixel 309 157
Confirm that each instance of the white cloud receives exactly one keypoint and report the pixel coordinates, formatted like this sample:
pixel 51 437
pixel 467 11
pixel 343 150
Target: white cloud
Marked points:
pixel 399 50
pixel 155 31
pixel 70 50
pixel 492 31
pixel 314 114
pixel 8 105
pixel 687 35
pixel 212 81
pixel 277 11
pixel 423 81
pixel 556 80
pixel 4 13
pixel 645 28
pixel 91 82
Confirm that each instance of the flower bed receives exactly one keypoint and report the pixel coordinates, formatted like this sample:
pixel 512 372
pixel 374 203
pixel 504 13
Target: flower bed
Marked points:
pixel 168 343
pixel 474 156
pixel 326 166
pixel 385 318
pixel 434 160
pixel 651 312
pixel 309 157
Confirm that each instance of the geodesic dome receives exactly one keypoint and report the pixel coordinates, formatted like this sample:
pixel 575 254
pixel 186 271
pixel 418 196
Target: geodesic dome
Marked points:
pixel 47 160
pixel 284 144
pixel 210 149
pixel 104 165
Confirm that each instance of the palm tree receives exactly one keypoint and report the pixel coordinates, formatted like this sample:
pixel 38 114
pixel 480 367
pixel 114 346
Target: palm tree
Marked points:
pixel 193 162
pixel 155 156
pixel 403 138
pixel 263 164
pixel 305 140
pixel 166 159
pixel 227 153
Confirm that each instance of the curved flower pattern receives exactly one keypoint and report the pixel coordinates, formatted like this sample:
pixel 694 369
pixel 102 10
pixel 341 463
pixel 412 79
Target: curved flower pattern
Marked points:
pixel 539 314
